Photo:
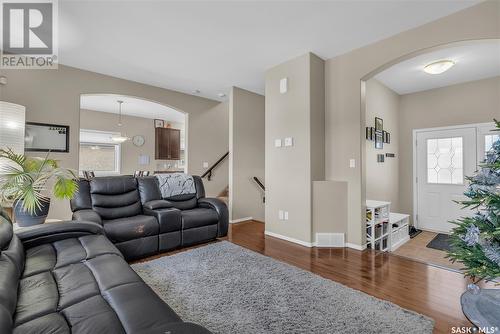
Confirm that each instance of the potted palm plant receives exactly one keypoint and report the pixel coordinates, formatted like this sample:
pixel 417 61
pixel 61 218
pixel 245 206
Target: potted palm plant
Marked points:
pixel 23 182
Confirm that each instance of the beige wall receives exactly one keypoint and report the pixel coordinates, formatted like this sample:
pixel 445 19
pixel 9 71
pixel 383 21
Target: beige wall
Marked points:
pixel 299 113
pixel 131 126
pixel 344 120
pixel 382 179
pixel 246 144
pixel 208 140
pixel 329 207
pixel 467 103
pixel 53 96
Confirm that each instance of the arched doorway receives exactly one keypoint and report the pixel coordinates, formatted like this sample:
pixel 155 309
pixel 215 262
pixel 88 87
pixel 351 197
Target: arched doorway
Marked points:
pixel 452 107
pixel 119 135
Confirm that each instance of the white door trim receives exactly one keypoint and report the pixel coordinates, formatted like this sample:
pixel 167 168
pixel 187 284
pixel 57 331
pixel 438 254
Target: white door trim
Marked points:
pixel 477 127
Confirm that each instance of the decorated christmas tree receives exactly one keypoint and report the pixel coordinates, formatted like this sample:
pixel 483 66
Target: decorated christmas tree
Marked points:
pixel 475 241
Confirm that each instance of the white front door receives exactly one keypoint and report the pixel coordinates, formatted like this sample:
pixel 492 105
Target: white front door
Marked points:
pixel 486 136
pixel 444 158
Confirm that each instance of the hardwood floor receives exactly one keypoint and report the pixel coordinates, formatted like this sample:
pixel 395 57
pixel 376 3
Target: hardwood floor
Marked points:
pixel 416 286
pixel 413 285
pixel 416 249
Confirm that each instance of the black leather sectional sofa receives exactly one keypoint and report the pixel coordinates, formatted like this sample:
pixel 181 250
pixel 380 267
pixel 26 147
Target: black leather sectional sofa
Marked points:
pixel 140 222
pixel 68 278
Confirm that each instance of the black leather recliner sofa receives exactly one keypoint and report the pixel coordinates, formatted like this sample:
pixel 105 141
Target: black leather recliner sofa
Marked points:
pixel 140 222
pixel 68 278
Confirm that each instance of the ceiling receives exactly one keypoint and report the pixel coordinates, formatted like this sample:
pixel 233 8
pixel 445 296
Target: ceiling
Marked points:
pixel 213 45
pixel 131 106
pixel 473 61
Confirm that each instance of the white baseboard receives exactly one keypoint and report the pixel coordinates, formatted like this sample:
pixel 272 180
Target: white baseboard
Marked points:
pixel 296 241
pixel 234 221
pixel 354 246
pixel 310 244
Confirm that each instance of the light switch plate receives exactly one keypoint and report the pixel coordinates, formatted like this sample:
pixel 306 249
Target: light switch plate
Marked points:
pixel 281 214
pixel 352 163
pixel 288 141
pixel 143 159
pixel 286 215
pixel 277 143
pixel 283 85
pixel 205 165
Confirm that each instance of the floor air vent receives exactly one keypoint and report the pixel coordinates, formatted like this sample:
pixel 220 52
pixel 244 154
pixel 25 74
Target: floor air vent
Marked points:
pixel 330 240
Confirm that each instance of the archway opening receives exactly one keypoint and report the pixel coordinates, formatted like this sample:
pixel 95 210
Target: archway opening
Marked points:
pixel 127 135
pixel 424 131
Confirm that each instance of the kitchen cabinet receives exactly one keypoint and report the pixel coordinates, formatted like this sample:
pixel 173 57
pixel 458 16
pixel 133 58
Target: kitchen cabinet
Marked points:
pixel 167 144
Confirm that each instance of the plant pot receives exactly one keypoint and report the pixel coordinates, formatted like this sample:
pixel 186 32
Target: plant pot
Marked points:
pixel 23 218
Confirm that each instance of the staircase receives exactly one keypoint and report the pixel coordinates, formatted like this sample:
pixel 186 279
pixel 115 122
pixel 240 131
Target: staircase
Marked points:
pixel 224 195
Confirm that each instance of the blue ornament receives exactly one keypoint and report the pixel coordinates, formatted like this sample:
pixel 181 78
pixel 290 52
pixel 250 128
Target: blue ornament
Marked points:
pixel 471 236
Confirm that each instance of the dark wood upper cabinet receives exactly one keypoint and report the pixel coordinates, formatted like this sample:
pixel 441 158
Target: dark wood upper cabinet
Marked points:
pixel 167 144
pixel 175 144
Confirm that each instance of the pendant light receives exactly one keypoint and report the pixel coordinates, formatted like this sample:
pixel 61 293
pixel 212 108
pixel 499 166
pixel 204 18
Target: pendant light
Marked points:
pixel 119 112
pixel 120 138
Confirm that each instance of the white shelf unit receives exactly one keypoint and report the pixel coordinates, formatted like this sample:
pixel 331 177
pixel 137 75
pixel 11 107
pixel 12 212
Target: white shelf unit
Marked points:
pixel 400 224
pixel 378 228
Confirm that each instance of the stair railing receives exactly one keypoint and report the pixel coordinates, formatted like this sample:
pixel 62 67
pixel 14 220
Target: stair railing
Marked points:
pixel 261 185
pixel 208 173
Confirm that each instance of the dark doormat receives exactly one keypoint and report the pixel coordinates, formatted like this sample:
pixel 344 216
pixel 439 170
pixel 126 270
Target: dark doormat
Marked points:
pixel 414 232
pixel 440 242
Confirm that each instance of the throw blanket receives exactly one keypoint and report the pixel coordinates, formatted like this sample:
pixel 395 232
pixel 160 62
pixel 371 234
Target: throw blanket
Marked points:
pixel 172 184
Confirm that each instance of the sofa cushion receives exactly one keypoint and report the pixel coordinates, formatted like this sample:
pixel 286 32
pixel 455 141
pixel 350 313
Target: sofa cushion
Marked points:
pixel 9 280
pixel 115 197
pixel 184 202
pixel 83 285
pixel 81 200
pixel 149 189
pixel 139 248
pixel 129 228
pixel 198 217
pixel 11 267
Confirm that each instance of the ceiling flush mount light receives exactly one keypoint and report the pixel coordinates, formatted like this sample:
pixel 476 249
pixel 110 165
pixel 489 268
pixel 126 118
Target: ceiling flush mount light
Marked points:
pixel 221 95
pixel 439 67
pixel 196 91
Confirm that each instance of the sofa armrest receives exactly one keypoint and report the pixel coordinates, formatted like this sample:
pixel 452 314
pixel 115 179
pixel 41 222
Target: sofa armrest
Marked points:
pixel 46 233
pixel 157 204
pixel 87 215
pixel 169 219
pixel 221 208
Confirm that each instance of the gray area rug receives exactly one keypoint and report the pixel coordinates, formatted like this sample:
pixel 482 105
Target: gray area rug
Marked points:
pixel 229 289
